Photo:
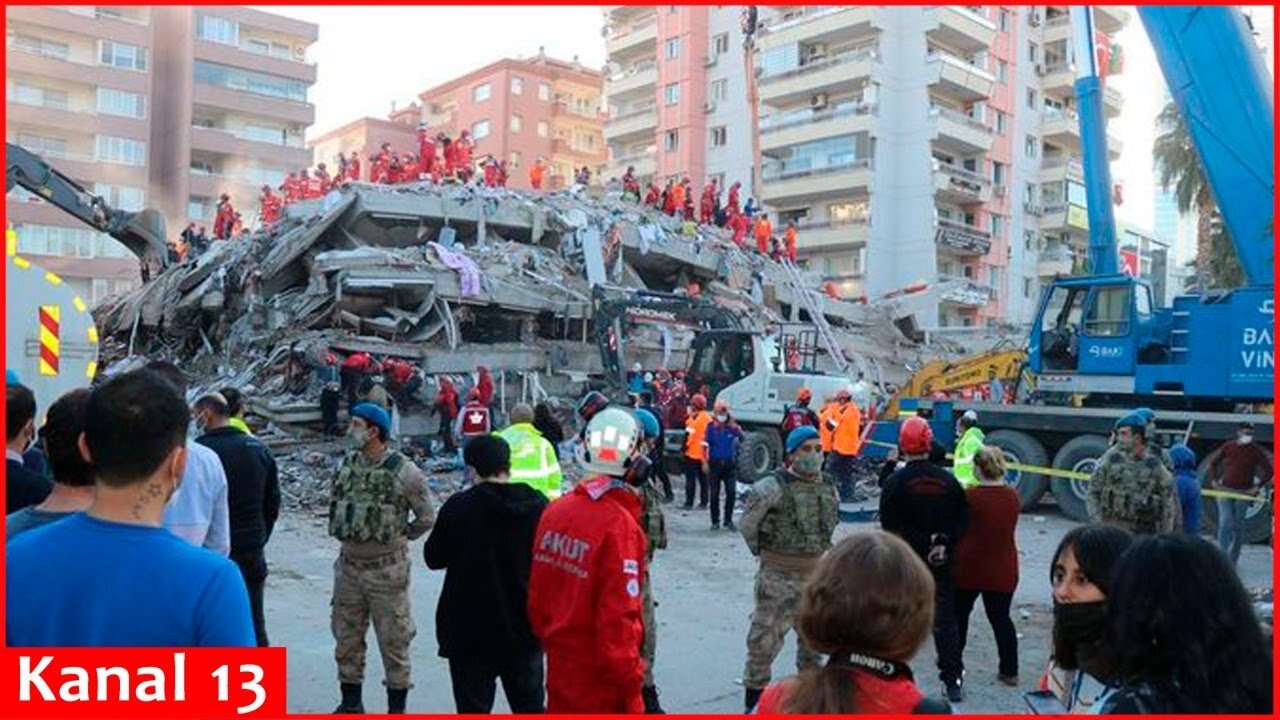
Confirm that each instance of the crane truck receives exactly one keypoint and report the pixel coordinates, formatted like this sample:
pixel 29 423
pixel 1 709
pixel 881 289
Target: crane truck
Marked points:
pixel 1206 362
pixel 52 343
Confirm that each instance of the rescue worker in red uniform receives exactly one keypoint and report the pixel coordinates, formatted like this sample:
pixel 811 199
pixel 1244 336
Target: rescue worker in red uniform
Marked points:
pixel 224 219
pixel 382 165
pixel 584 585
pixel 652 195
pixel 732 207
pixel 289 188
pixel 462 157
pixel 410 170
pixel 687 195
pixel 484 385
pixel 800 414
pixel 322 180
pixel 631 186
pixel 353 167
pixel 708 205
pixel 446 406
pixel 270 206
pixel 473 419
pixel 426 150
pixel 352 371
pixel 490 171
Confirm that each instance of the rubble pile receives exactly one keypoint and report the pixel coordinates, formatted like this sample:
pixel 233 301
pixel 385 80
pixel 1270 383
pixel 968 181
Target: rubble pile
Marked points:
pixel 450 277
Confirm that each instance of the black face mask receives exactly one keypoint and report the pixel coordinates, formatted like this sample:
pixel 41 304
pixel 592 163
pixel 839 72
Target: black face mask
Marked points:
pixel 1079 631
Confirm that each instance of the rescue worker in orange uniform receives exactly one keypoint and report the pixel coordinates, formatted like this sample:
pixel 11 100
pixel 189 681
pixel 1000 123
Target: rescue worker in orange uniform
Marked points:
pixel 669 198
pixel 789 241
pixel 763 232
pixel 695 451
pixel 270 206
pixel 289 188
pixel 536 172
pixel 845 424
pixel 630 186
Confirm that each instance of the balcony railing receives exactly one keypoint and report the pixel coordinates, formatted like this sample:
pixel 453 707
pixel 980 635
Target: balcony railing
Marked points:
pixel 1058 20
pixel 936 55
pixel 297 144
pixel 98 14
pixel 816 172
pixel 833 224
pixel 851 56
pixel 625 30
pixel 809 14
pixel 859 108
pixel 957 116
pixel 636 69
pixel 634 112
pixel 962 237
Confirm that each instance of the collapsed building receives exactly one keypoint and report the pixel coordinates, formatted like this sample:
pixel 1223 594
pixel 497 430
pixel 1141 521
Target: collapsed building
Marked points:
pixel 452 277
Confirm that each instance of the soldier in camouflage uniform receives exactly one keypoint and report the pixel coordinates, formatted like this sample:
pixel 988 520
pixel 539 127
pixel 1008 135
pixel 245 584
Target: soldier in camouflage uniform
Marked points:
pixel 654 524
pixel 371 500
pixel 1130 486
pixel 788 523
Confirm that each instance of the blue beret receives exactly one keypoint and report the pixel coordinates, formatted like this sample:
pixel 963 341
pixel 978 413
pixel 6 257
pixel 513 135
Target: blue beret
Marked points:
pixel 648 422
pixel 1133 419
pixel 373 414
pixel 799 436
pixel 1147 414
pixel 11 378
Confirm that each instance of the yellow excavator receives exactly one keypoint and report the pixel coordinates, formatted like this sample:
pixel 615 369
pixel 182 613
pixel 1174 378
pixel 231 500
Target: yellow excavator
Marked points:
pixel 954 376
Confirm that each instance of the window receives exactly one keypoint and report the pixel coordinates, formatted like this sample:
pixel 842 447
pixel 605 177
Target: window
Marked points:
pixel 1076 194
pixel 1029 146
pixel 119 102
pixel 517 85
pixel 1028 239
pixel 126 198
pixel 207 73
pixel 673 48
pixel 263 134
pixel 41 97
pixel 997 173
pixel 1029 193
pixel 1001 118
pixel 265 47
pixel 121 55
pixel 69 242
pixel 671 93
pixel 671 141
pixel 720 44
pixel 480 129
pixel 1033 52
pixel 720 89
pixel 543 128
pixel 1028 286
pixel 216 29
pixel 1032 98
pixel 480 93
pixel 40 46
pixel 1108 314
pixel 544 91
pixel 848 213
pixel 123 151
pixel 997 223
pixel 515 123
pixel 719 136
pixel 1002 71
pixel 200 208
pixel 1004 20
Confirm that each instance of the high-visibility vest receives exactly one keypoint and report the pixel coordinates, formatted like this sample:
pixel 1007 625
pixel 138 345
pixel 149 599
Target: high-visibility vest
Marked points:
pixel 696 427
pixel 848 431
pixel 967 448
pixel 533 460
pixel 827 435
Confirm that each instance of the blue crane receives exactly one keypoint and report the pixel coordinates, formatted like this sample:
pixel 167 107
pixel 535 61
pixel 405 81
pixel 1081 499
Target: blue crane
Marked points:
pixel 1099 334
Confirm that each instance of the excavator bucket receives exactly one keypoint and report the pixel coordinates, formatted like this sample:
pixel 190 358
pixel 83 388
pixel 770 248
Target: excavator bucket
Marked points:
pixel 143 233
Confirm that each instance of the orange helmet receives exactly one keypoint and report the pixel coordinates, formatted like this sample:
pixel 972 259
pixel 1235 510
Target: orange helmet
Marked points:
pixel 699 402
pixel 915 436
pixel 805 395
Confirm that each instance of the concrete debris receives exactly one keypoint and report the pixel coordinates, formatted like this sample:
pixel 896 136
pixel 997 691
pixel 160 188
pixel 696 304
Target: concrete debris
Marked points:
pixel 451 277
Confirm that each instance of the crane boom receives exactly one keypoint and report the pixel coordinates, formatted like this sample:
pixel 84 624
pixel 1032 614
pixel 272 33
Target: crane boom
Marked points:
pixel 142 232
pixel 1222 89
pixel 1103 252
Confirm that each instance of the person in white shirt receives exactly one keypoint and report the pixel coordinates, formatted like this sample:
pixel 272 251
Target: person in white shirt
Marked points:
pixel 197 512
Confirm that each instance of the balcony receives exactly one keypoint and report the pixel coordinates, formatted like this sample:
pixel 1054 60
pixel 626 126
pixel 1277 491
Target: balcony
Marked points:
pixel 1110 19
pixel 562 109
pixel 632 126
pixel 1112 102
pixel 960 186
pixel 250 103
pixel 1057 28
pixel 78 118
pixel 961 28
pixel 962 240
pixel 1062 128
pixel 817 76
pixel 1058 216
pixel 233 56
pixel 226 142
pixel 820 24
pixel 958 79
pixel 816 126
pixel 78 22
pixel 1060 168
pixel 1057 78
pixel 1052 267
pixel 638 38
pixel 637 78
pixel 72 69
pixel 810 184
pixel 826 236
pixel 959 133
pixel 965 292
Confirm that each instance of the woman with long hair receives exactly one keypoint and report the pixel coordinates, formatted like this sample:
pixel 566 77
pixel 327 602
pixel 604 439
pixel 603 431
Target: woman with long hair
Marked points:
pixel 869 607
pixel 1082 671
pixel 1184 634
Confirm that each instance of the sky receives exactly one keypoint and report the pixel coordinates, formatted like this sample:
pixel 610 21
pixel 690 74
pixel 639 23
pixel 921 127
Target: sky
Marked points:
pixel 362 68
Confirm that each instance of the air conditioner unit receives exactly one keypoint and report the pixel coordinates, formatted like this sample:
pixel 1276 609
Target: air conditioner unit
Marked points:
pixel 817 51
pixel 818 102
pixel 1033 209
pixel 709 107
pixel 300 53
pixel 1034 19
pixel 1039 70
pixel 711 59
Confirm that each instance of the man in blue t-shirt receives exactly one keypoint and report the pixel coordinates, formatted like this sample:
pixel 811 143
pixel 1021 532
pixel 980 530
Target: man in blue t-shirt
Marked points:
pixel 723 438
pixel 112 576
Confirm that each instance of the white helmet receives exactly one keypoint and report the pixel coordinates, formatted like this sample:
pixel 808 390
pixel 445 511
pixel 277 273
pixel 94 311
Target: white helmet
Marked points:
pixel 612 436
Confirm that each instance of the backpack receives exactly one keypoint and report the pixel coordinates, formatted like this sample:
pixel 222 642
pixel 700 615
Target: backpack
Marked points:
pixel 796 417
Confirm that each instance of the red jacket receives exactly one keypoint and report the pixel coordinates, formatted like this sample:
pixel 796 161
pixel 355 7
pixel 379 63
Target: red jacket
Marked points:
pixel 484 386
pixel 584 598
pixel 223 221
pixel 426 151
pixel 475 420
pixel 353 169
pixel 270 211
pixel 873 694
pixel 490 174
pixel 358 361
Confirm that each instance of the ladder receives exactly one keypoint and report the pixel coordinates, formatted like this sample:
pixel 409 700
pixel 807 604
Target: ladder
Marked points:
pixel 807 297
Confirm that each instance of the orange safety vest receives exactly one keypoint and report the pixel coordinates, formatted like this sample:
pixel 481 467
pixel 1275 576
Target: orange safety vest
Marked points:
pixel 827 435
pixel 696 429
pixel 848 432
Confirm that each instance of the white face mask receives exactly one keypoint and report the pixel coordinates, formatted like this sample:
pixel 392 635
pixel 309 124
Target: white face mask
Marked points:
pixel 1246 439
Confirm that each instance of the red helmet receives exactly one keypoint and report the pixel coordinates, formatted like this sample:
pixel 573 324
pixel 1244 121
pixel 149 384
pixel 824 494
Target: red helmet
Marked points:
pixel 915 436
pixel 698 401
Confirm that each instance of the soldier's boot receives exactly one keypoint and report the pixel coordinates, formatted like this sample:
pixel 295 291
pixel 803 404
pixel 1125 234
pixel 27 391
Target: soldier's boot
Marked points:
pixel 396 698
pixel 751 697
pixel 351 704
pixel 651 704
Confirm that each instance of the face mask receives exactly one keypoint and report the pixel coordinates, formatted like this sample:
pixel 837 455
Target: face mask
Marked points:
pixel 722 418
pixel 809 463
pixel 1246 439
pixel 1076 625
pixel 356 439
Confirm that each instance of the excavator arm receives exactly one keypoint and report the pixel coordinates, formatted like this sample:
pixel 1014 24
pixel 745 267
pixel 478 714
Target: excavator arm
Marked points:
pixel 611 306
pixel 142 232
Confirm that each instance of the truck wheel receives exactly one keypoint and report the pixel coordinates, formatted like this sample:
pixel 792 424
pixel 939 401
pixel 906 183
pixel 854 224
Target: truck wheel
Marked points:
pixel 1079 455
pixel 1021 449
pixel 759 455
pixel 1257 518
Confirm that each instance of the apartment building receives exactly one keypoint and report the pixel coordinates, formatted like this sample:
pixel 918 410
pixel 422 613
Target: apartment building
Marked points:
pixel 520 109
pixel 78 91
pixel 678 92
pixel 161 107
pixel 366 136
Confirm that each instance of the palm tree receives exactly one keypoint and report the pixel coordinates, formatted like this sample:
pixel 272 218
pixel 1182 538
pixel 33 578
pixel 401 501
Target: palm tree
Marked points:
pixel 1179 168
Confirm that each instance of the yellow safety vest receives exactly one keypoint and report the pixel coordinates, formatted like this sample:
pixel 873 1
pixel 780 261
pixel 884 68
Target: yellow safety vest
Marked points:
pixel 533 460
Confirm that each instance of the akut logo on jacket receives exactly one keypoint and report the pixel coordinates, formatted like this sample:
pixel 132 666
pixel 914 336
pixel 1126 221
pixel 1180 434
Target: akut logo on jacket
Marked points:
pixel 564 551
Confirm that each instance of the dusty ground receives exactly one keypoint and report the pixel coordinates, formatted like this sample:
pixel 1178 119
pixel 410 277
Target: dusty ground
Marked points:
pixel 703 584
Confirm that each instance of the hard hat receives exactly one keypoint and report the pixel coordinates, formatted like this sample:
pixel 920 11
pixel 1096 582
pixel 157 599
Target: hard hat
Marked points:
pixel 637 367
pixel 915 436
pixel 648 377
pixel 799 436
pixel 805 395
pixel 473 394
pixel 844 394
pixel 592 403
pixel 698 401
pixel 612 435
pixel 970 415
pixel 373 415
pixel 648 423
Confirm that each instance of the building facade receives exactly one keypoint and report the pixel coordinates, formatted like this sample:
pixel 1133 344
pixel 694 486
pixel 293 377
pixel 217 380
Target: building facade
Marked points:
pixel 161 107
pixel 518 110
pixel 365 136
